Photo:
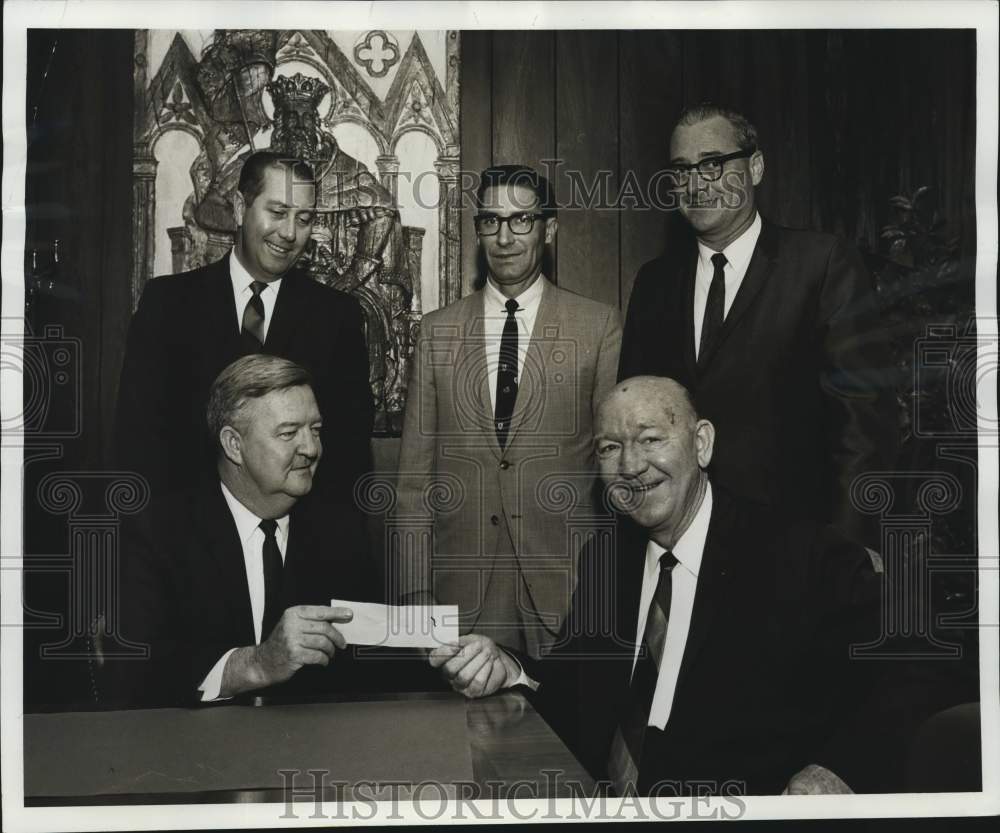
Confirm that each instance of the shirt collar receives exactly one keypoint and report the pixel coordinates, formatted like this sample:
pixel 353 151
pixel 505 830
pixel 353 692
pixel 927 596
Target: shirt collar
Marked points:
pixel 246 521
pixel 529 298
pixel 739 252
pixel 242 278
pixel 690 547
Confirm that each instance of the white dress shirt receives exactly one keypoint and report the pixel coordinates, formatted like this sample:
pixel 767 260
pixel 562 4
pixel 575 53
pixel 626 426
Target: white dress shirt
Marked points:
pixel 684 581
pixel 242 292
pixel 738 254
pixel 252 540
pixel 495 316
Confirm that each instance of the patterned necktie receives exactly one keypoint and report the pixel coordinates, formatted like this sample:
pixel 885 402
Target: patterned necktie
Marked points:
pixel 626 748
pixel 715 309
pixel 273 566
pixel 253 314
pixel 506 393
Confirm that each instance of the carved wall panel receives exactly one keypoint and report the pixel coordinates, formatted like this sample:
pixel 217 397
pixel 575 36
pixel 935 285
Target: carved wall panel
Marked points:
pixel 376 113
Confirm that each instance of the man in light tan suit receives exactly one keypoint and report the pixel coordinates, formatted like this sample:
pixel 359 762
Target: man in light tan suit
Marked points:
pixel 497 441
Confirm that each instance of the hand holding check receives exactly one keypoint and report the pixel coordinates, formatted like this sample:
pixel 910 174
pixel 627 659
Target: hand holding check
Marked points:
pixel 475 665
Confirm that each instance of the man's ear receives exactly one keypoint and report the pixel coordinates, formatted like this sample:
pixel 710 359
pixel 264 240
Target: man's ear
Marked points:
pixel 239 207
pixel 232 444
pixel 704 441
pixel 551 227
pixel 757 166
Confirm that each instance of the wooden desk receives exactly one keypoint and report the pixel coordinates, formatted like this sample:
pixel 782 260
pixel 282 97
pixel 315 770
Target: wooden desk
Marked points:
pixel 506 739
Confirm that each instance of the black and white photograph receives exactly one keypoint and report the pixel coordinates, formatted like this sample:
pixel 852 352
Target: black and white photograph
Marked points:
pixel 499 413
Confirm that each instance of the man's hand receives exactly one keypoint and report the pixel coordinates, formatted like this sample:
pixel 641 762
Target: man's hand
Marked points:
pixel 475 665
pixel 816 780
pixel 304 635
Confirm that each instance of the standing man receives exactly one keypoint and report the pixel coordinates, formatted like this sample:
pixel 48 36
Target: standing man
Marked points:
pixel 775 331
pixel 499 414
pixel 707 649
pixel 188 327
pixel 229 582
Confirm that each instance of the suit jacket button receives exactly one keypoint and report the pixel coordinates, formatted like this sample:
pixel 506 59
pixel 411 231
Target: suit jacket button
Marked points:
pixel 494 520
pixel 504 465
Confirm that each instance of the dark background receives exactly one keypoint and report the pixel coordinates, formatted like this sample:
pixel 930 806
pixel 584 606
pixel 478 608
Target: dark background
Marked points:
pixel 847 120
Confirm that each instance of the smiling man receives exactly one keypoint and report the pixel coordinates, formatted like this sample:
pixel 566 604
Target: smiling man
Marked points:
pixel 707 648
pixel 188 327
pixel 229 582
pixel 504 387
pixel 775 330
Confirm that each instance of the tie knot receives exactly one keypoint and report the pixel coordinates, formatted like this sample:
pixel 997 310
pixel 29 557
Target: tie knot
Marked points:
pixel 268 527
pixel 667 561
pixel 256 287
pixel 719 260
pixel 512 306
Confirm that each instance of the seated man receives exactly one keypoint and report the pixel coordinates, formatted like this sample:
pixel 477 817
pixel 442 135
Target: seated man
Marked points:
pixel 707 649
pixel 229 583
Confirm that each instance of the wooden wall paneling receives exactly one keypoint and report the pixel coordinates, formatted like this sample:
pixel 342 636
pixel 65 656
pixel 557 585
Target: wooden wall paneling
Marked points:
pixel 776 95
pixel 587 147
pixel 827 104
pixel 523 97
pixel 524 104
pixel 650 97
pixel 476 128
pixel 715 67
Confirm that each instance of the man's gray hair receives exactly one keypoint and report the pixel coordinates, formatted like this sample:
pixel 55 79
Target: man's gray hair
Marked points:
pixel 249 377
pixel 746 133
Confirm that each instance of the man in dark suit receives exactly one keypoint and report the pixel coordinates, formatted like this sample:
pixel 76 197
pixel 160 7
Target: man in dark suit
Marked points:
pixel 188 327
pixel 229 583
pixel 776 332
pixel 707 646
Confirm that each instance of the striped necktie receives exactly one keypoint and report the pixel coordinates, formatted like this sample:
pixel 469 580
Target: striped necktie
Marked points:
pixel 253 316
pixel 626 748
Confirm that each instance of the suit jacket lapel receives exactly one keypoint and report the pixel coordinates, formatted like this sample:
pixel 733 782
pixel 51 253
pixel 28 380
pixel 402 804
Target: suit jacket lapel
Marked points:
pixel 716 571
pixel 477 362
pixel 215 526
pixel 220 332
pixel 286 317
pixel 765 253
pixel 687 311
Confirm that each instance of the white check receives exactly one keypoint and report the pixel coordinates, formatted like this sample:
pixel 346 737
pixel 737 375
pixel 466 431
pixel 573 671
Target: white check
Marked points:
pixel 404 626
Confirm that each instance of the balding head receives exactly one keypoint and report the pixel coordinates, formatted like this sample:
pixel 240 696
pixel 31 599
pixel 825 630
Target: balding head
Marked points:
pixel 653 450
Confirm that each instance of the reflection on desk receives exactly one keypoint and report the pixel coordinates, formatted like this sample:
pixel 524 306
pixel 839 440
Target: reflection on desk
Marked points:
pixel 362 748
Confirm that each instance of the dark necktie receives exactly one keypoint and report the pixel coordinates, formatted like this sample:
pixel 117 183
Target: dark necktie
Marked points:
pixel 715 309
pixel 626 748
pixel 253 314
pixel 272 578
pixel 506 393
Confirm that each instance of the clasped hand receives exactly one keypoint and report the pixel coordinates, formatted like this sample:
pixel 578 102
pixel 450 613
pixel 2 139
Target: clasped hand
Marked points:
pixel 475 666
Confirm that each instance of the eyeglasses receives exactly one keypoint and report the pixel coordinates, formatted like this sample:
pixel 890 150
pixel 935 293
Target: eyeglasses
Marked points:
pixel 709 168
pixel 489 224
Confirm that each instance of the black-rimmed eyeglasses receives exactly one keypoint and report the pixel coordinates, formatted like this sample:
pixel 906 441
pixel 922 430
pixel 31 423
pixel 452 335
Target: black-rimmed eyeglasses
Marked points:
pixel 489 224
pixel 709 169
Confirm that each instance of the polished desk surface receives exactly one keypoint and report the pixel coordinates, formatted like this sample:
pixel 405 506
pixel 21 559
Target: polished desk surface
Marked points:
pixel 506 742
